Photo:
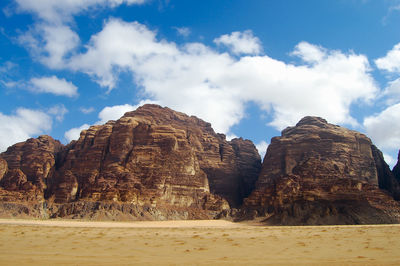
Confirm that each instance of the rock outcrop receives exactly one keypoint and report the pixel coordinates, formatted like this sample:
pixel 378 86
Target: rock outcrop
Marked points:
pixel 29 166
pixel 153 163
pixel 386 178
pixel 319 173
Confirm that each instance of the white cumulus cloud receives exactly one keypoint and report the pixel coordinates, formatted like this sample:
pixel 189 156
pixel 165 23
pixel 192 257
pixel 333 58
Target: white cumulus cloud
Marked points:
pixel 198 80
pixel 392 92
pixel 51 39
pixel 61 10
pixel 21 125
pixel 241 42
pixel 114 112
pixel 391 61
pixel 384 129
pixel 309 53
pixel 74 133
pixel 119 45
pixel 117 111
pixel 54 86
pixel 50 44
pixel 262 148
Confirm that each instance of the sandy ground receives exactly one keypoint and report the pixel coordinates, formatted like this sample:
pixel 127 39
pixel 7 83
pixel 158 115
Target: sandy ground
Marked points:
pixel 26 242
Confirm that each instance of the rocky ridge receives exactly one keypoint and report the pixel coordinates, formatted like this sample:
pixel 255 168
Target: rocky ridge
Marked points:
pixel 156 164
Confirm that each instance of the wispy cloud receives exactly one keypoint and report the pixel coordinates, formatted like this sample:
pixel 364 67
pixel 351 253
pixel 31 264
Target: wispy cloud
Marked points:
pixel 183 31
pixel 393 8
pixel 58 111
pixel 87 110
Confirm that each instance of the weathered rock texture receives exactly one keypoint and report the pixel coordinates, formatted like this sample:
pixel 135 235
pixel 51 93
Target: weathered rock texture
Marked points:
pixel 29 166
pixel 156 164
pixel 153 163
pixel 319 173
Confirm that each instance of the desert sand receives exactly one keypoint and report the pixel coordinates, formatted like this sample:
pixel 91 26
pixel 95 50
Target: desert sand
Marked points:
pixel 59 242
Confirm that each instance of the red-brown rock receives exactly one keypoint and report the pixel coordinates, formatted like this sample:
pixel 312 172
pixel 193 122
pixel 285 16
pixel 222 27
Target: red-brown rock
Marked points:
pixel 319 173
pixel 28 168
pixel 153 163
pixel 155 156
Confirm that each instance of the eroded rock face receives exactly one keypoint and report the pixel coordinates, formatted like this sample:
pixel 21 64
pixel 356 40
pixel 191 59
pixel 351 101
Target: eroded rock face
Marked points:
pixel 157 156
pixel 29 166
pixel 153 163
pixel 319 173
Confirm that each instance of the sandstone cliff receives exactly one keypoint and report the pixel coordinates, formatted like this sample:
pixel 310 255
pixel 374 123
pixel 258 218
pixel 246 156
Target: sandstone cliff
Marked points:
pixel 319 173
pixel 153 163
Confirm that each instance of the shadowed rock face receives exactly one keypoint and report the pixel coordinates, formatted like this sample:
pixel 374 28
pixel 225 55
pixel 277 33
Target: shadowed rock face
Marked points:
pixel 396 169
pixel 319 173
pixel 154 163
pixel 387 179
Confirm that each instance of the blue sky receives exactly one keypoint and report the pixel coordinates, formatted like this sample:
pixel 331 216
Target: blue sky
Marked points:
pixel 251 68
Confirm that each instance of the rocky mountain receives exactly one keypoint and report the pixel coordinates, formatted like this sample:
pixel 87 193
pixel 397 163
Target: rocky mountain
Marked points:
pixel 153 163
pixel 319 173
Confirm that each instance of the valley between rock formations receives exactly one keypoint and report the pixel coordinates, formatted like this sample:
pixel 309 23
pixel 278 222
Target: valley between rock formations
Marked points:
pixel 158 164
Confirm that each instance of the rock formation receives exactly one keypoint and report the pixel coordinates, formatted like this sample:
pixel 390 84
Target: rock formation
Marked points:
pixel 386 178
pixel 28 166
pixel 156 164
pixel 153 163
pixel 319 173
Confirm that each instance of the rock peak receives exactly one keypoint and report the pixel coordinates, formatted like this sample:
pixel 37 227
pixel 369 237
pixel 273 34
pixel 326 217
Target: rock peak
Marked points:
pixel 312 120
pixel 150 106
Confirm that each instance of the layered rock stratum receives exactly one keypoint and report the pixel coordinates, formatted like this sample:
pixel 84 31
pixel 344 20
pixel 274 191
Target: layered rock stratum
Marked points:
pixel 152 164
pixel 319 173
